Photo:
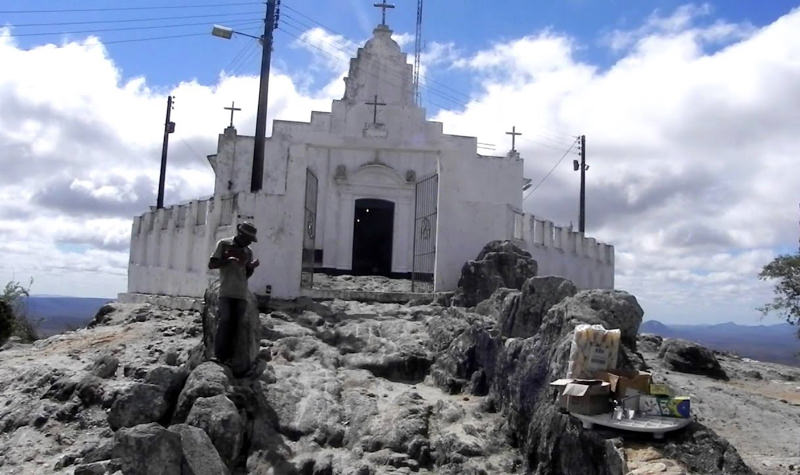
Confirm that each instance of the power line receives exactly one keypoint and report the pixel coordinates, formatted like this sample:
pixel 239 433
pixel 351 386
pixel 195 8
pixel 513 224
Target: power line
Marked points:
pixel 133 40
pixel 395 74
pixel 445 92
pixel 129 28
pixel 164 7
pixel 551 171
pixel 128 20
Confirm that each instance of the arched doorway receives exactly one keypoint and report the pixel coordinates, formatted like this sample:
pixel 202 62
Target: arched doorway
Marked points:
pixel 373 228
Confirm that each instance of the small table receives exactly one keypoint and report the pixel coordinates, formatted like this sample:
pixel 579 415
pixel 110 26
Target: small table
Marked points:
pixel 657 425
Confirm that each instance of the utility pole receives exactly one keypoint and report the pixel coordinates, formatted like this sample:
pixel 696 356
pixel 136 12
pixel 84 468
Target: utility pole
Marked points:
pixel 263 88
pixel 169 127
pixel 582 217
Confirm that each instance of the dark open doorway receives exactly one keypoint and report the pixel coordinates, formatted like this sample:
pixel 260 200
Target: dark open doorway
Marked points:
pixel 373 227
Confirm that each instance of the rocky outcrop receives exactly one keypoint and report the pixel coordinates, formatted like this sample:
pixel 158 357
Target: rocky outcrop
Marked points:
pixel 517 373
pixel 200 457
pixel 138 404
pixel 351 388
pixel 520 313
pixel 689 357
pixel 499 264
pixel 147 449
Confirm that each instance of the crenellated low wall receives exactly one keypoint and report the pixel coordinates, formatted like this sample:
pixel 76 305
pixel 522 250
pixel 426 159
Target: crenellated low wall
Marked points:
pixel 170 247
pixel 563 252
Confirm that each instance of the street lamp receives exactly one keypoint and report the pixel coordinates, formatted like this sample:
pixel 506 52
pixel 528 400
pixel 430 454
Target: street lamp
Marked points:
pixel 227 33
pixel 263 88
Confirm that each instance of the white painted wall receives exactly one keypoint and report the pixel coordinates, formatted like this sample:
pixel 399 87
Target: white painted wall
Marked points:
pixel 354 157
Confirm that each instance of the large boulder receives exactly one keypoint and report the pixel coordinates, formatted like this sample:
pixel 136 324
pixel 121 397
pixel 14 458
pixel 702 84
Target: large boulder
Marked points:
pixel 220 419
pixel 148 449
pixel 105 366
pixel 689 357
pixel 200 457
pixel 138 404
pixel 248 331
pixel 522 315
pixel 208 379
pixel 499 264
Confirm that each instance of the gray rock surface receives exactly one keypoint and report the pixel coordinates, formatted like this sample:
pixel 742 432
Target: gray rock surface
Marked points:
pixel 138 404
pixel 356 387
pixel 105 366
pixel 220 419
pixel 148 449
pixel 689 357
pixel 499 264
pixel 521 313
pixel 200 457
pixel 207 380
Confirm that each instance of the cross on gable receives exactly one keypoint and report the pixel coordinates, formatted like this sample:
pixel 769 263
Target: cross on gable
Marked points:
pixel 375 105
pixel 383 6
pixel 513 135
pixel 232 108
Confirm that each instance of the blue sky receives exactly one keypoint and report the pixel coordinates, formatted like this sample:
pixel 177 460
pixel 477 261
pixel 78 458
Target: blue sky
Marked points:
pixel 690 113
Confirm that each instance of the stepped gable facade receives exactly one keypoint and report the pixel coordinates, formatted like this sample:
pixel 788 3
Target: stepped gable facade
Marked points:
pixel 371 187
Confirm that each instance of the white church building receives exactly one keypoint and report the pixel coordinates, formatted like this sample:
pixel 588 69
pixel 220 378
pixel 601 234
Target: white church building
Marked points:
pixel 371 187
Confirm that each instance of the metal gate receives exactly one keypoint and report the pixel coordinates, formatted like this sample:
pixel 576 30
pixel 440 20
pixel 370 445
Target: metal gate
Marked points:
pixel 425 209
pixel 309 231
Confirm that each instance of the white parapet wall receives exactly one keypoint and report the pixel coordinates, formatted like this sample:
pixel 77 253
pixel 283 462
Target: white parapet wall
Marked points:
pixel 563 252
pixel 170 247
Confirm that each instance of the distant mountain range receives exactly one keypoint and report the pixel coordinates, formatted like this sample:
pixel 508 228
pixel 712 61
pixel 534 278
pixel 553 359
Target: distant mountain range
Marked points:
pixel 54 315
pixel 773 343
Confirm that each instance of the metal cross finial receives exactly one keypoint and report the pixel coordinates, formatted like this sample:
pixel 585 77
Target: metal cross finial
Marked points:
pixel 513 135
pixel 231 108
pixel 375 105
pixel 383 6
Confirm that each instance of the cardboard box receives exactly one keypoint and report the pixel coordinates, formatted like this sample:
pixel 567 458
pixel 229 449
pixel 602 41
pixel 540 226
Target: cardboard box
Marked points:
pixel 626 383
pixel 584 396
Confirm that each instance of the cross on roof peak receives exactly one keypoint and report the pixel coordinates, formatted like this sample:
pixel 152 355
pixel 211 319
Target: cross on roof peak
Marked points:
pixel 232 108
pixel 513 135
pixel 383 6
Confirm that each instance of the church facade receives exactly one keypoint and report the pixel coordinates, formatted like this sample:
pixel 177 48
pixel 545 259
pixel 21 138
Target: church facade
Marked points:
pixel 371 187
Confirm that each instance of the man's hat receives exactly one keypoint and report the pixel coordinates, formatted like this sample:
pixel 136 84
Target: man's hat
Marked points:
pixel 248 230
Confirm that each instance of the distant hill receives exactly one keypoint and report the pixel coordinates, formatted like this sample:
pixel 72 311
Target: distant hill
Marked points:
pixel 773 343
pixel 58 314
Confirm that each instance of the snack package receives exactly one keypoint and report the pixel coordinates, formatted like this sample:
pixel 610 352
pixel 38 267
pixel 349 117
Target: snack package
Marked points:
pixel 593 349
pixel 660 390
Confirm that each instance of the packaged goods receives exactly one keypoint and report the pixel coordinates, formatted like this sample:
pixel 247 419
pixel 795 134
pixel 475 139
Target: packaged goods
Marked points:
pixel 675 406
pixel 665 406
pixel 583 396
pixel 648 405
pixel 626 383
pixel 593 349
pixel 660 390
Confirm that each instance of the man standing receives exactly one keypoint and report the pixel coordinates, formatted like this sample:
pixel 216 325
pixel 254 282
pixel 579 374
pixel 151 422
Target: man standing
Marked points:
pixel 234 259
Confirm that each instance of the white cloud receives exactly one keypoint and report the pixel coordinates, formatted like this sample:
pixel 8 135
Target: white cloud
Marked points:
pixel 690 147
pixel 81 156
pixel 690 136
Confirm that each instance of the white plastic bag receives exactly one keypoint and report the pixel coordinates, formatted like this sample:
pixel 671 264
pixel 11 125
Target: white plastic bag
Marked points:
pixel 593 349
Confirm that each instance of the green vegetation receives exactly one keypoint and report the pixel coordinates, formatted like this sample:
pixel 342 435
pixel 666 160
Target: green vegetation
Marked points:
pixel 13 320
pixel 786 270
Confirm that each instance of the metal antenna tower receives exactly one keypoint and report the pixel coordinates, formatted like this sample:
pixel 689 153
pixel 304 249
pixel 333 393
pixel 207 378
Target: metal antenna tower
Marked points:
pixel 417 51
